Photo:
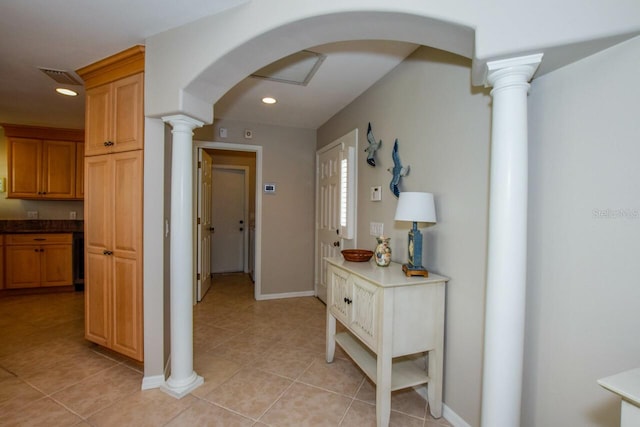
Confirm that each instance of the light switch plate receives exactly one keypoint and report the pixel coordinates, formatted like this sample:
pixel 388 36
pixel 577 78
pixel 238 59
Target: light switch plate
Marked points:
pixel 376 193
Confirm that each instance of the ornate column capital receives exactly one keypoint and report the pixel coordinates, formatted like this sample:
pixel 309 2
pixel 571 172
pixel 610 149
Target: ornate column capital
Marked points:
pixel 511 72
pixel 182 123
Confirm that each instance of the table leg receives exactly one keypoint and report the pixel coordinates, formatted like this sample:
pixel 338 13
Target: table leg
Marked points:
pixel 383 392
pixel 434 387
pixel 331 336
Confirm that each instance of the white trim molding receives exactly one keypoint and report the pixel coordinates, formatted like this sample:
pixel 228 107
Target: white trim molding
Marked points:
pixel 264 297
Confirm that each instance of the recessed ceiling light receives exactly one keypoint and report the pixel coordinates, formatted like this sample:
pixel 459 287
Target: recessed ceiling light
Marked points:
pixel 269 100
pixel 65 91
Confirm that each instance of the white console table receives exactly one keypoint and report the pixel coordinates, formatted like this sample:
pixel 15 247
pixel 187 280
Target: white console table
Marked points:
pixel 388 316
pixel 627 386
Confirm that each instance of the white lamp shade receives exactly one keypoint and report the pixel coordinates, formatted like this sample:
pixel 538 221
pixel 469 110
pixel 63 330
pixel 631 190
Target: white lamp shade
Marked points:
pixel 416 207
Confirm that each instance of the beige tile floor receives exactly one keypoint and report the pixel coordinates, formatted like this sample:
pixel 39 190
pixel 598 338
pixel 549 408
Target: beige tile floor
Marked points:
pixel 263 364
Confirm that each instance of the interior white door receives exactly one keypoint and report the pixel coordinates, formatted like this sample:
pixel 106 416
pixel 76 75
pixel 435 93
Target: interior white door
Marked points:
pixel 328 240
pixel 204 223
pixel 228 220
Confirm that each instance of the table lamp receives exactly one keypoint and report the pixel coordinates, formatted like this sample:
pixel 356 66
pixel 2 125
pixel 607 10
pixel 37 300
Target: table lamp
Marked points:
pixel 415 207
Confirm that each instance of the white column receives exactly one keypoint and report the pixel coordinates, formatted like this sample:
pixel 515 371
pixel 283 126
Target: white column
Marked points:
pixel 507 251
pixel 183 378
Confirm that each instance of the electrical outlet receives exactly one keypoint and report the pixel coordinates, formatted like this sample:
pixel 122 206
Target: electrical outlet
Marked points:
pixel 376 229
pixel 32 214
pixel 72 215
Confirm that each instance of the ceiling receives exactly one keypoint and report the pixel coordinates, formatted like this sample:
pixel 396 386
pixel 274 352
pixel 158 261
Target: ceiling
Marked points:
pixel 69 34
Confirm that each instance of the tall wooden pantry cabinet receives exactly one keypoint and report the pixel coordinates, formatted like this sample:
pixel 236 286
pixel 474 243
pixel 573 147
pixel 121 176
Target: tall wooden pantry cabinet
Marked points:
pixel 113 183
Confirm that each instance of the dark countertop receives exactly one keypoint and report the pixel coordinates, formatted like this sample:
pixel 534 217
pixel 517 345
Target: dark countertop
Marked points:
pixel 10 226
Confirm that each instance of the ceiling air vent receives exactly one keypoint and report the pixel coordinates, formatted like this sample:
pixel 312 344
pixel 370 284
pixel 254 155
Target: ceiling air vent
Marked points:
pixel 61 76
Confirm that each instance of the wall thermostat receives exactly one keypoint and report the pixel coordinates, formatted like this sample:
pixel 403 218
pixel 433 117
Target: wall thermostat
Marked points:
pixel 270 188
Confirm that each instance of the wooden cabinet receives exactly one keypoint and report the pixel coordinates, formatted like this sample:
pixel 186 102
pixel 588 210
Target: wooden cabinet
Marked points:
pixel 38 260
pixel 113 183
pixel 42 162
pixel 114 116
pixel 80 171
pixel 113 239
pixel 1 261
pixel 391 321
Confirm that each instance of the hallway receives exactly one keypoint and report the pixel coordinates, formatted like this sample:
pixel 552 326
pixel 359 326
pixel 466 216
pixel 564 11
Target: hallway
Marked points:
pixel 263 364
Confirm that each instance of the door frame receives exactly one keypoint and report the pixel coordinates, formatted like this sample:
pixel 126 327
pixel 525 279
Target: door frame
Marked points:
pixel 245 213
pixel 257 277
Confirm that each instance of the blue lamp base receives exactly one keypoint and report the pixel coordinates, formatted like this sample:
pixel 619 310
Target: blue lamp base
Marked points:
pixel 414 266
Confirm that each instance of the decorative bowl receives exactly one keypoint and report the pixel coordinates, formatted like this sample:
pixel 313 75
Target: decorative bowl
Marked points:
pixel 357 255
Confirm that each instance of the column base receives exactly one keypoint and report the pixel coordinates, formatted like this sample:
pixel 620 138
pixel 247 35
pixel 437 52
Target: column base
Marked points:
pixel 180 389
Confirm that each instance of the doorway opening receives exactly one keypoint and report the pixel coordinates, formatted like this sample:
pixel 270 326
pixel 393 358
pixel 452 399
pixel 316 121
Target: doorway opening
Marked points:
pixel 234 245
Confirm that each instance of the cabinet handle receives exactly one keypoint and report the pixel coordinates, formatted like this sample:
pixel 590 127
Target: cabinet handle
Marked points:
pixel 108 143
pixel 39 239
pixel 347 300
pixel 336 243
pixel 106 252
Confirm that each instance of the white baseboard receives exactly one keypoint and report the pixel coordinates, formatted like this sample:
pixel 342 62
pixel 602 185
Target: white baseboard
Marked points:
pixel 453 418
pixel 264 297
pixel 154 381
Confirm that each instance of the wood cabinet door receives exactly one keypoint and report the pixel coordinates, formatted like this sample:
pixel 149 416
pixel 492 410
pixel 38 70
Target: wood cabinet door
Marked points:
pixel 97 239
pixel 97 297
pixel 98 118
pixel 25 166
pixel 128 113
pixel 127 253
pixel 56 265
pixel 80 170
pixel 58 170
pixel 127 307
pixel 1 262
pixel 113 241
pixel 22 266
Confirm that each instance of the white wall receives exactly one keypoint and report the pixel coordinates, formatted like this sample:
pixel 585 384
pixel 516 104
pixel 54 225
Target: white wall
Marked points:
pixel 442 126
pixel 583 310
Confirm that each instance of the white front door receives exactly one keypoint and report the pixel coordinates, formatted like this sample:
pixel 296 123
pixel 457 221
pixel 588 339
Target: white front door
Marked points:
pixel 328 240
pixel 228 220
pixel 204 223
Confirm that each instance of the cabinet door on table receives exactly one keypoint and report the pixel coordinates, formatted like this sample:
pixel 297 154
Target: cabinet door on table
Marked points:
pixel 338 282
pixel 364 309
